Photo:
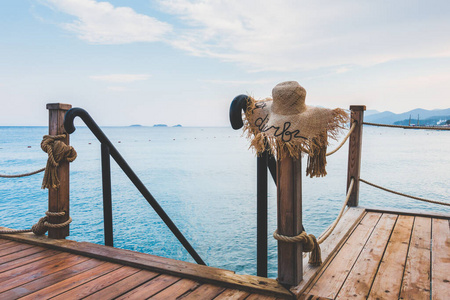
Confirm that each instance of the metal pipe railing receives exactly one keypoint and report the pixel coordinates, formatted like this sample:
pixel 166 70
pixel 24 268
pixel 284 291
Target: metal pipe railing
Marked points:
pixel 107 146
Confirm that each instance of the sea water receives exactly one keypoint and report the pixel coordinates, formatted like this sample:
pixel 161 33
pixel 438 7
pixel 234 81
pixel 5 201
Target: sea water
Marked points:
pixel 205 180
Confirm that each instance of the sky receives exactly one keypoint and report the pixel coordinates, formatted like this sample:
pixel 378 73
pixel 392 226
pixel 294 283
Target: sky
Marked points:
pixel 182 62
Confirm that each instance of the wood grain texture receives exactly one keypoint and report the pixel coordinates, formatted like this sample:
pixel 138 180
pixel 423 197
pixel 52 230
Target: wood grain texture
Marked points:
pixel 416 279
pixel 440 276
pixel 45 281
pixel 21 261
pixel 150 288
pixel 357 284
pixel 354 152
pixel 253 284
pixel 39 269
pixel 123 286
pixel 97 284
pixel 289 220
pixel 20 254
pixel 177 289
pixel 230 294
pixel 331 280
pixel 67 284
pixel 205 291
pixel 58 199
pixel 329 247
pixel 388 280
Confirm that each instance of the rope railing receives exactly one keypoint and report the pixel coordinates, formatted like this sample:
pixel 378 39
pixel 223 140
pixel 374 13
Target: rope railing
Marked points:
pixel 404 195
pixel 22 175
pixel 309 241
pixel 330 229
pixel 344 140
pixel 42 225
pixel 408 127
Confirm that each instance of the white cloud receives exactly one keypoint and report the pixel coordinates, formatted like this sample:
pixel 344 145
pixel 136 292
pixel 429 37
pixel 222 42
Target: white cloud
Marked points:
pixel 292 35
pixel 102 23
pixel 121 78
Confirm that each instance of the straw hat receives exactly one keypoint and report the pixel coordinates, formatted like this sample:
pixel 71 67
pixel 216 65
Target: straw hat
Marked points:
pixel 290 127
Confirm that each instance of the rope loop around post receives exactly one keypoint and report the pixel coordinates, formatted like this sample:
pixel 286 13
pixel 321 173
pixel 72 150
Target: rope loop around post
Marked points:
pixel 41 227
pixel 309 242
pixel 57 151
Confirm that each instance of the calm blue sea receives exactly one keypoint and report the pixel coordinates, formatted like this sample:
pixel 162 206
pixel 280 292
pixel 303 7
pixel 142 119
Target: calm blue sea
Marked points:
pixel 205 179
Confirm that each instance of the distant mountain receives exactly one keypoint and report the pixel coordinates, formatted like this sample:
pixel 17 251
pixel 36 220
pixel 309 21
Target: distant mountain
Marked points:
pixel 388 117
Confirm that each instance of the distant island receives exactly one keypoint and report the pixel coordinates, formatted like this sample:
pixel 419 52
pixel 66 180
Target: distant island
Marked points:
pixel 178 125
pixel 136 125
pixel 160 125
pixel 414 117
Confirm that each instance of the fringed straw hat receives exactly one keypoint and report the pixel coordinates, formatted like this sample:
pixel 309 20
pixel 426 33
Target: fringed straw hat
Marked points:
pixel 289 127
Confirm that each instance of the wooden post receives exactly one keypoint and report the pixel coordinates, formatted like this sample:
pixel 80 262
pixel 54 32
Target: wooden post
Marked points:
pixel 354 152
pixel 289 202
pixel 58 199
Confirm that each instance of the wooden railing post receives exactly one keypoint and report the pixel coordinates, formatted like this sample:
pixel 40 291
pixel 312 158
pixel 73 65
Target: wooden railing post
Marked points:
pixel 289 219
pixel 58 199
pixel 354 152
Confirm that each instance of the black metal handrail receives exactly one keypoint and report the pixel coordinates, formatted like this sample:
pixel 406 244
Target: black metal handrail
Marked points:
pixel 107 150
pixel 265 160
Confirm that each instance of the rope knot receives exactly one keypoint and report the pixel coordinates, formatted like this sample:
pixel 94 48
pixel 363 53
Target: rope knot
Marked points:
pixel 57 151
pixel 309 242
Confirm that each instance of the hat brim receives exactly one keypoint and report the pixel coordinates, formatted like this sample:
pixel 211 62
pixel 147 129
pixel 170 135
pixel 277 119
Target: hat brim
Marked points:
pixel 305 132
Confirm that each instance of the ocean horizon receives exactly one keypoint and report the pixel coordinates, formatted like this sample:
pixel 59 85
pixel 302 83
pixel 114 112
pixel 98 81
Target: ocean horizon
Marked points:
pixel 205 179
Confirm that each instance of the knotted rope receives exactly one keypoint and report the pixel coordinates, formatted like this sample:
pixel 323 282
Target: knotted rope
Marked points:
pixel 42 225
pixel 309 242
pixel 57 151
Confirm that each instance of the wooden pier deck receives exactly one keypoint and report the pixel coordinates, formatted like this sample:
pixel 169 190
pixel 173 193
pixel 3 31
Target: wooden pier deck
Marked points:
pixel 388 255
pixel 372 254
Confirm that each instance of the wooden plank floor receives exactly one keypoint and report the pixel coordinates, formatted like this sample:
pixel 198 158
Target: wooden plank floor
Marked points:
pixel 370 255
pixel 30 271
pixel 388 256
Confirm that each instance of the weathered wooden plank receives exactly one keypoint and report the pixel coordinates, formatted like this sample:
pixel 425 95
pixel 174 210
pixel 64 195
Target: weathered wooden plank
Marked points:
pixel 331 280
pixel 58 198
pixel 13 264
pixel 49 280
pixel 22 253
pixel 409 212
pixel 230 294
pixel 358 282
pixel 205 291
pixel 416 279
pixel 440 274
pixel 354 152
pixel 344 228
pixel 260 297
pixel 388 280
pixel 150 288
pixel 8 245
pixel 40 270
pixel 123 286
pixel 97 284
pixel 25 269
pixel 69 283
pixel 177 289
pixel 289 219
pixel 2 241
pixel 160 265
pixel 13 249
pixel 313 297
